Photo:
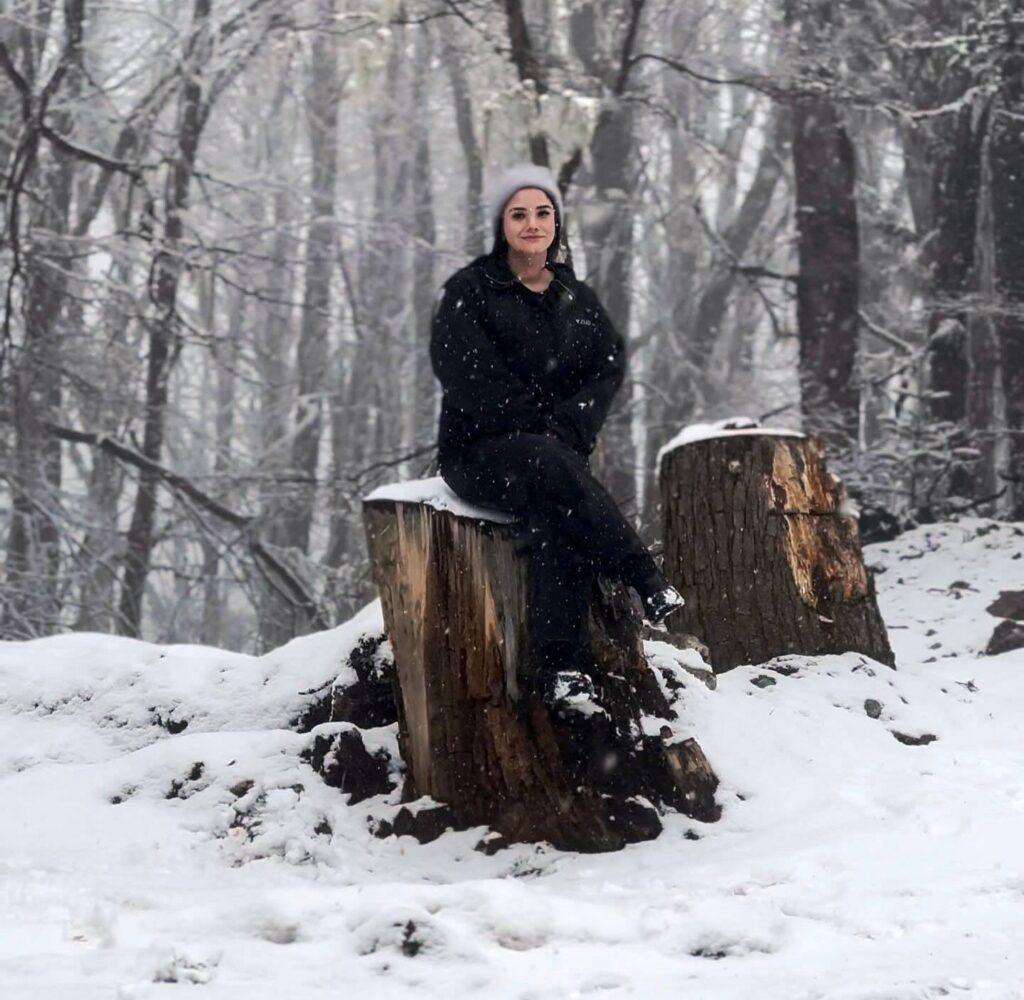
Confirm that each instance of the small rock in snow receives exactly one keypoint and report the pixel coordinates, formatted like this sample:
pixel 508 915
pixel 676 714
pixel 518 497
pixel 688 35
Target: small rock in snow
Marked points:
pixel 1007 635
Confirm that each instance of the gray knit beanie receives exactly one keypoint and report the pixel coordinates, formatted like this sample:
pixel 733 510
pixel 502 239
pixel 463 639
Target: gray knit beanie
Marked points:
pixel 523 175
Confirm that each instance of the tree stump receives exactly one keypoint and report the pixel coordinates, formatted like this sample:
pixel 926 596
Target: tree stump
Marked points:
pixel 453 582
pixel 759 542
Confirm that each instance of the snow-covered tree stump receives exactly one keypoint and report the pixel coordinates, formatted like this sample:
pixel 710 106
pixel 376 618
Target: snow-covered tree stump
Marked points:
pixel 453 582
pixel 759 541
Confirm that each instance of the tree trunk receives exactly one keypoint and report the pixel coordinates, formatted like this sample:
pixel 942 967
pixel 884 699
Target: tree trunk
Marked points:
pixel 102 545
pixel 454 592
pixel 422 401
pixel 314 333
pixel 949 254
pixel 1007 159
pixel 100 548
pixel 275 339
pixel 827 286
pixel 29 604
pixel 983 346
pixel 164 333
pixel 941 155
pixel 477 232
pixel 224 357
pixel 714 300
pixel 607 223
pixel 673 263
pixel 385 280
pixel 608 239
pixel 757 542
pixel 530 69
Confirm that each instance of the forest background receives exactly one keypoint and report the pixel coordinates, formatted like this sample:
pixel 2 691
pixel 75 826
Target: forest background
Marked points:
pixel 225 223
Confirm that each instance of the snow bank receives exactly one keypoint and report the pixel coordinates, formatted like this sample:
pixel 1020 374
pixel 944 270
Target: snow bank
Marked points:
pixel 123 693
pixel 848 865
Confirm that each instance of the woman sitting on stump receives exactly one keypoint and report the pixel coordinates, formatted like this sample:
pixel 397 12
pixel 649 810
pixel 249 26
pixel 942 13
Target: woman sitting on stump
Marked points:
pixel 529 363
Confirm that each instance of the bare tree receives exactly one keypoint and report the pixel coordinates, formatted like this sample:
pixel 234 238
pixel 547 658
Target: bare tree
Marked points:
pixel 476 234
pixel 321 105
pixel 1006 166
pixel 37 229
pixel 604 38
pixel 828 242
pixel 201 86
pixel 164 333
pixel 215 274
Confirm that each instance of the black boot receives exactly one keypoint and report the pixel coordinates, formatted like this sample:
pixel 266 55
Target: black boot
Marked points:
pixel 557 679
pixel 659 605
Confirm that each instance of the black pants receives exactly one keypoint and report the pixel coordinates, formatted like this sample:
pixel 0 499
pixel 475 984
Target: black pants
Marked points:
pixel 571 524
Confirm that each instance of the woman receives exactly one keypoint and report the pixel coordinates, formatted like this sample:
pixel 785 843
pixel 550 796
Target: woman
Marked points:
pixel 529 363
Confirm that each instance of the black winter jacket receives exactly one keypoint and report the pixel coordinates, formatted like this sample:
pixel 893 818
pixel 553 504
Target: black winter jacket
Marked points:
pixel 512 360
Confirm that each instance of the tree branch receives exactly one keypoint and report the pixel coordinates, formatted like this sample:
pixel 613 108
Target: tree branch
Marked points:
pixel 20 83
pixel 890 338
pixel 763 84
pixel 80 153
pixel 292 586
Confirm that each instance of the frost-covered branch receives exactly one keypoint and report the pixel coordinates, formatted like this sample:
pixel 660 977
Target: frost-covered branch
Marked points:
pixel 291 585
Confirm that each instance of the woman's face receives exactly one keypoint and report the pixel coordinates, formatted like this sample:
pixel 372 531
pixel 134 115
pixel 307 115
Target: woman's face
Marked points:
pixel 529 221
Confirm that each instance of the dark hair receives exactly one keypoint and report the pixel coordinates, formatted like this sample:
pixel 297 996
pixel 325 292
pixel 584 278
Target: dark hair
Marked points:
pixel 558 252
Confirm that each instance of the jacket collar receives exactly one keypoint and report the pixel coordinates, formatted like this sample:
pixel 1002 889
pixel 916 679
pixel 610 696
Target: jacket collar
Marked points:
pixel 499 275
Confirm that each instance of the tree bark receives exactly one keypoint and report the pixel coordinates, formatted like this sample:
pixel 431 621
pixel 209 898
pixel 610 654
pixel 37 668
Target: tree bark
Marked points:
pixel 454 592
pixel 1007 164
pixel 757 542
pixel 983 345
pixel 941 164
pixel 828 249
pixel 950 258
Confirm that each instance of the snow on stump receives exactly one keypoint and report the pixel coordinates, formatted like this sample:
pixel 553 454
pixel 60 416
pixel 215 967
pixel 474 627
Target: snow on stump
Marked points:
pixel 759 542
pixel 453 582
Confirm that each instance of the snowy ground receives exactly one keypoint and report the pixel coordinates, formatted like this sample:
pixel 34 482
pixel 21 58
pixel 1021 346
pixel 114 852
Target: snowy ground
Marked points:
pixel 140 862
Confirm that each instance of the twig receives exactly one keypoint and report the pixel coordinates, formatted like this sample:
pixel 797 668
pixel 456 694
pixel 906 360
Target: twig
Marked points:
pixel 879 331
